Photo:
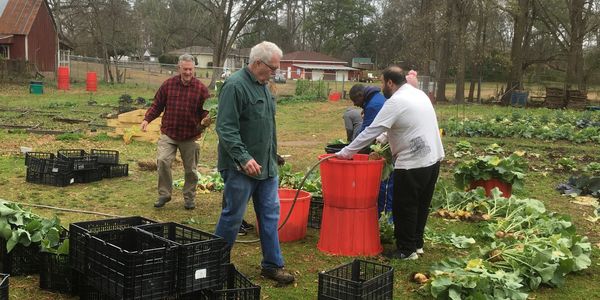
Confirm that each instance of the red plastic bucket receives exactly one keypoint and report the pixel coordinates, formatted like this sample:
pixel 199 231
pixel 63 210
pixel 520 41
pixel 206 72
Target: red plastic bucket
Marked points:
pixel 63 78
pixel 490 184
pixel 91 84
pixel 295 227
pixel 335 96
pixel 349 232
pixel 351 183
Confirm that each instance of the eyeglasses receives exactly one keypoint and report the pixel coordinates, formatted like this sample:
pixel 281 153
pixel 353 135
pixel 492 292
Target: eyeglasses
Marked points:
pixel 268 65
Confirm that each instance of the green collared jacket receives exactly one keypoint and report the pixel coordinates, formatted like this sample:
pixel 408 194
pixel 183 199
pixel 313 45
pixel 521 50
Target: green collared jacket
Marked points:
pixel 246 124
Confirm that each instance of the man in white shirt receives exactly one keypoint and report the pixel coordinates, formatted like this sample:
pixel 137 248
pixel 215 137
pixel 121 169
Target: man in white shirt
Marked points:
pixel 409 123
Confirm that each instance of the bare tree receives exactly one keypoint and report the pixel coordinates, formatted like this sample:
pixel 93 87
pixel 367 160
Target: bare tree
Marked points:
pixel 230 17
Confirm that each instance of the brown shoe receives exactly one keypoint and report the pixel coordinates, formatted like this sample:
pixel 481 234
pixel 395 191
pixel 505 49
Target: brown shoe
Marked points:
pixel 279 275
pixel 161 201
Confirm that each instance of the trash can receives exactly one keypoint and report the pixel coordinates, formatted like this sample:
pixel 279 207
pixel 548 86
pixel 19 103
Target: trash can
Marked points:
pixel 36 87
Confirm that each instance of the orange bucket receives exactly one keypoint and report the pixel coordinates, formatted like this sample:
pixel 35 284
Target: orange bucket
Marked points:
pixel 295 227
pixel 349 232
pixel 351 183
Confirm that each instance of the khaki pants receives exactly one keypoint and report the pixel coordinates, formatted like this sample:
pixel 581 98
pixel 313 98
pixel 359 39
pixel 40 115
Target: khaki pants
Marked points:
pixel 189 150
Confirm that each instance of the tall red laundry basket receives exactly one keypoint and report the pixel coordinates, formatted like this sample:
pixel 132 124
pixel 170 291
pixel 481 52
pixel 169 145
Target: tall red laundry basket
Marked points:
pixel 349 224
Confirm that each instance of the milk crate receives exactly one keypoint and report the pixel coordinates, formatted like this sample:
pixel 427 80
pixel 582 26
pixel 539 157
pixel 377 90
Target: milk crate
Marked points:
pixel 131 264
pixel 78 240
pixel 199 255
pixel 357 280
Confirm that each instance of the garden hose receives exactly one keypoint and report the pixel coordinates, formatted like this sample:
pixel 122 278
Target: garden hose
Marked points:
pixel 295 198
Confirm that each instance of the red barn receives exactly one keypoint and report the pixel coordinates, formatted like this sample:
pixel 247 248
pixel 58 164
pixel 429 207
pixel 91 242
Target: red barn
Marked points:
pixel 315 66
pixel 28 32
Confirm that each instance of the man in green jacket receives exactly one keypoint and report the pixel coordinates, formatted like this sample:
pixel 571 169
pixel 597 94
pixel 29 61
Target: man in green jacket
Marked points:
pixel 248 156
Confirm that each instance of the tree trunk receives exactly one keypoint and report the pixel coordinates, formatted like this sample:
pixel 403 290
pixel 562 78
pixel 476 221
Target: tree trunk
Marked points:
pixel 574 76
pixel 517 52
pixel 444 54
pixel 462 9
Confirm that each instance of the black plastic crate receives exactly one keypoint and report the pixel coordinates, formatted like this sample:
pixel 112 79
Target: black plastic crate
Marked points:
pixel 88 176
pixel 131 264
pixel 359 279
pixel 54 179
pixel 55 273
pixel 21 260
pixel 37 164
pixel 199 255
pixel 84 290
pixel 78 240
pixel 112 171
pixel 234 285
pixel 4 285
pixel 79 159
pixel 315 212
pixel 108 157
pixel 38 155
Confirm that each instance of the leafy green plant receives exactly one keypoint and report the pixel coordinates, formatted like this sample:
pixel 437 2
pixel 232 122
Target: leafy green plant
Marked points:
pixel 383 150
pixel 19 226
pixel 70 136
pixel 493 149
pixel 567 164
pixel 292 180
pixel 593 169
pixel 535 248
pixel 462 148
pixel 386 228
pixel 510 169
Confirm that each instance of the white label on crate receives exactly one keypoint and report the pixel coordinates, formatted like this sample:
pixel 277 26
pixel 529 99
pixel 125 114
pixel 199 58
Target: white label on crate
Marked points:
pixel 201 273
pixel 54 170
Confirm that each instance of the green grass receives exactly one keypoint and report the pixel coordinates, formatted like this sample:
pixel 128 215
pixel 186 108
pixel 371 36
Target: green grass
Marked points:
pixel 303 131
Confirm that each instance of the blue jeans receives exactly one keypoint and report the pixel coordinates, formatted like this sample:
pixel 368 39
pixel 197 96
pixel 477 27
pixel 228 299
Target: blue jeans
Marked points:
pixel 385 198
pixel 237 192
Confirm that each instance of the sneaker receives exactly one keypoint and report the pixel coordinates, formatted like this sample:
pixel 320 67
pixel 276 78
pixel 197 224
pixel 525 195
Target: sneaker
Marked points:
pixel 401 256
pixel 246 226
pixel 242 231
pixel 161 201
pixel 279 275
pixel 420 251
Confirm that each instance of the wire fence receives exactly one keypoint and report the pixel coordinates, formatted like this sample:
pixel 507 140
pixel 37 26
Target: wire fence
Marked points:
pixel 153 74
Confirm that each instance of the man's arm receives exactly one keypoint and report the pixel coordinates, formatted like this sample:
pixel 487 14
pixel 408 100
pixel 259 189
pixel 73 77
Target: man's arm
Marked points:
pixel 228 124
pixel 157 107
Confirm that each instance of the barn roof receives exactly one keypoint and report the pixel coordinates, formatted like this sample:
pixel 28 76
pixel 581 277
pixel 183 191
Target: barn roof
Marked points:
pixel 17 16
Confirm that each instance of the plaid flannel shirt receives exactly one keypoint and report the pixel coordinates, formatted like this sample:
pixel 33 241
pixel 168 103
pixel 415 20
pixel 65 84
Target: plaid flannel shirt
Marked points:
pixel 182 106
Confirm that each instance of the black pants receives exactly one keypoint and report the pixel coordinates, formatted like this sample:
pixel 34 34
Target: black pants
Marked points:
pixel 413 190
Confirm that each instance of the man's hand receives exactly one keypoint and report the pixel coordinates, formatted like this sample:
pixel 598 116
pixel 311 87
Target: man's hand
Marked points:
pixel 252 168
pixel 206 121
pixel 280 160
pixel 144 125
pixel 343 154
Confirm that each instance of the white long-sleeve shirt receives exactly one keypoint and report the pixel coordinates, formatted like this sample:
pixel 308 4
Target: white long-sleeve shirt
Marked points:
pixel 412 130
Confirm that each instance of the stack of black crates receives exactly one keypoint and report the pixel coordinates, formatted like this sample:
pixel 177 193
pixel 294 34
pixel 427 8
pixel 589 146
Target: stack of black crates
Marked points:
pixel 70 166
pixel 137 258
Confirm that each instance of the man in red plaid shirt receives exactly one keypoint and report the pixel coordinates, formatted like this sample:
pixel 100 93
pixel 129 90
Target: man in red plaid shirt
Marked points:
pixel 181 98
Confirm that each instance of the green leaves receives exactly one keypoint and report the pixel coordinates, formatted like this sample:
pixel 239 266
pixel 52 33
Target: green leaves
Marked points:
pixel 534 248
pixel 19 226
pixel 509 169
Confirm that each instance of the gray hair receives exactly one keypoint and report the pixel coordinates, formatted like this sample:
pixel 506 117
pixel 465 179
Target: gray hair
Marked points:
pixel 264 51
pixel 186 57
